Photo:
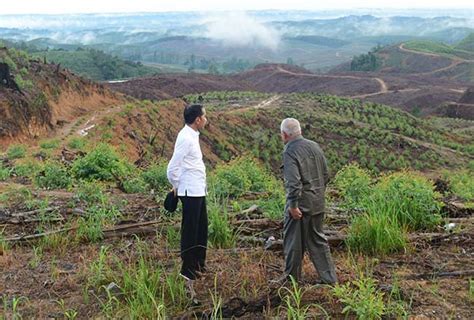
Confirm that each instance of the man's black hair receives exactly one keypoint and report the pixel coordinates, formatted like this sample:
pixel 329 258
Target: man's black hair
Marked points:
pixel 191 112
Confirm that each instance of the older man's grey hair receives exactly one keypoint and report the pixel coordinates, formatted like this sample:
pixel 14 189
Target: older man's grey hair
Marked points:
pixel 291 127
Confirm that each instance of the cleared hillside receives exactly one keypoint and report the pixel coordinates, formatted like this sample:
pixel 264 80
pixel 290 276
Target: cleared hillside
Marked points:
pixel 376 136
pixel 37 98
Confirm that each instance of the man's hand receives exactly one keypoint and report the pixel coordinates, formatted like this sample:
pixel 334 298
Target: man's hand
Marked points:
pixel 296 213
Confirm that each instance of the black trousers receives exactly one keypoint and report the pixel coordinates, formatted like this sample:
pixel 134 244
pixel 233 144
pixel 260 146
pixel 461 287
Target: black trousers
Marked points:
pixel 193 236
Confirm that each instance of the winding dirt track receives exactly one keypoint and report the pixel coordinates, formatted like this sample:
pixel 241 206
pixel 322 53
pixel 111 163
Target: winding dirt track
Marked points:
pixel 454 60
pixel 383 85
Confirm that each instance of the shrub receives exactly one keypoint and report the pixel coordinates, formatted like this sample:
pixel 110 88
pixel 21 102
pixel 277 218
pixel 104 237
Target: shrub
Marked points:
pixel 77 143
pixel 134 184
pixel 398 203
pixel 91 193
pixel 28 169
pixel 49 144
pixel 462 184
pixel 16 151
pixel 156 178
pixel 53 176
pixel 102 163
pixel 4 173
pixel 409 197
pixel 361 297
pixel 353 182
pixel 240 176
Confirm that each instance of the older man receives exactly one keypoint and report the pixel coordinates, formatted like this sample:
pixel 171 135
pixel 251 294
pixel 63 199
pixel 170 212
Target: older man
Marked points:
pixel 306 174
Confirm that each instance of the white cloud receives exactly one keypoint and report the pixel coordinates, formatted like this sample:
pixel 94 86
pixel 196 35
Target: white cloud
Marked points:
pixel 240 29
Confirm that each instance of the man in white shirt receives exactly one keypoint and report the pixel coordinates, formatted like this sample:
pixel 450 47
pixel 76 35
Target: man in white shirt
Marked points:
pixel 187 173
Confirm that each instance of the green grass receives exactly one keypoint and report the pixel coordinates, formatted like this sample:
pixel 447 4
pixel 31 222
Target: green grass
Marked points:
pixel 461 184
pixel 398 203
pixel 439 48
pixel 16 151
pixel 77 143
pixel 49 144
pixel 28 168
pixel 4 173
pixel 362 298
pixel 375 233
pixel 53 176
pixel 149 292
pixel 221 234
pixel 354 183
pixel 102 163
pixel 293 306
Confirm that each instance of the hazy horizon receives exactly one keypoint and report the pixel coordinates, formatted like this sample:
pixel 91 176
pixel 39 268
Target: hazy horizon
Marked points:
pixel 144 6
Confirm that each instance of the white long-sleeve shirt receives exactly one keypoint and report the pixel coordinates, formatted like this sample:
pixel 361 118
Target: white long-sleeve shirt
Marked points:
pixel 186 170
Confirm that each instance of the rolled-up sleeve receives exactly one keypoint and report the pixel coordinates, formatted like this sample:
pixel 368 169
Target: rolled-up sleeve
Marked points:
pixel 292 177
pixel 173 171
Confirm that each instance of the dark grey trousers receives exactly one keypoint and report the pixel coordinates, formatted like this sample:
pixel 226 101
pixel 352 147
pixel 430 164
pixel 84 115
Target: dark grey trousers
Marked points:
pixel 307 234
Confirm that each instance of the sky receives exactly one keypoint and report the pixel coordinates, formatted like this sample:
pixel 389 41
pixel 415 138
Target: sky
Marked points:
pixel 115 6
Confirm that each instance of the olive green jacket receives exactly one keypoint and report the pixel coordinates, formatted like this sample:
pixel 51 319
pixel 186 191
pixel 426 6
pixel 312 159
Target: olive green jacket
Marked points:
pixel 306 174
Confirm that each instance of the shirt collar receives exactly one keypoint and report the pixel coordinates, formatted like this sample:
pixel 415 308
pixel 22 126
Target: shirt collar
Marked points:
pixel 192 131
pixel 294 140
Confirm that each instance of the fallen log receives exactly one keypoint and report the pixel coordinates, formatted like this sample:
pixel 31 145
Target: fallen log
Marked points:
pixel 458 273
pixel 334 240
pixel 38 235
pixel 105 231
pixel 263 223
pixel 20 221
pixel 28 213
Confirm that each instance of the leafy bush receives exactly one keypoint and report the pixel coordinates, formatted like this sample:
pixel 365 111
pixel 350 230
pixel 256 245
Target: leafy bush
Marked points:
pixel 4 173
pixel 155 177
pixel 361 297
pixel 238 177
pixel 91 193
pixel 134 184
pixel 28 168
pixel 49 144
pixel 462 184
pixel 102 163
pixel 16 151
pixel 409 197
pixel 77 143
pixel 53 176
pixel 353 183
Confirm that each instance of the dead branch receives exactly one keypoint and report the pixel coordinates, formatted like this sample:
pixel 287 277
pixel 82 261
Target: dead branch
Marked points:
pixel 458 273
pixel 28 213
pixel 108 231
pixel 38 235
pixel 252 208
